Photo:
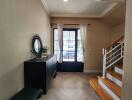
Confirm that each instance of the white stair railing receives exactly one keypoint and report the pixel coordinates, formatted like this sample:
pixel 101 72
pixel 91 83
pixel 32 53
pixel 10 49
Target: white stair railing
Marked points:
pixel 113 54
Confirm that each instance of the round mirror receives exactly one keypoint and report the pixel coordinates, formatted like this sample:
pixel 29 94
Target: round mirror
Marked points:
pixel 37 46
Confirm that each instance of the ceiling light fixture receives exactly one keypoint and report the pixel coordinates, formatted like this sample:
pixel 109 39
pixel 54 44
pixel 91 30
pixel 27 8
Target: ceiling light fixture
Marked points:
pixel 98 0
pixel 65 0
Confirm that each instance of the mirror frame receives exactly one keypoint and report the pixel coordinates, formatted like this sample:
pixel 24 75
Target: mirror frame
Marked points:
pixel 38 55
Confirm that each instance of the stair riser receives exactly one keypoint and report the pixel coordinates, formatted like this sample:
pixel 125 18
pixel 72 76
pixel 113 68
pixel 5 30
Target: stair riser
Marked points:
pixel 118 70
pixel 111 93
pixel 115 80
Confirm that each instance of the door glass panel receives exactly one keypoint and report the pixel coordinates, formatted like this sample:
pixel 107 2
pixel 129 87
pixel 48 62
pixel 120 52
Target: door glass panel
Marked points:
pixel 65 55
pixel 72 35
pixel 71 56
pixel 65 35
pixel 69 45
pixel 65 45
pixel 70 38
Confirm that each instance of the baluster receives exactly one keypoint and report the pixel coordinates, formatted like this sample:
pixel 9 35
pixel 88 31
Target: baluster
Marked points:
pixel 122 49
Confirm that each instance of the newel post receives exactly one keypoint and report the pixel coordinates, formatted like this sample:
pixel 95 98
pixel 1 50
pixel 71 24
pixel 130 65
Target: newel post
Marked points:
pixel 104 62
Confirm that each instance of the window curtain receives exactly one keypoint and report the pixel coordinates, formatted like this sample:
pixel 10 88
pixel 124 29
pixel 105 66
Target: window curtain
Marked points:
pixel 60 34
pixel 83 33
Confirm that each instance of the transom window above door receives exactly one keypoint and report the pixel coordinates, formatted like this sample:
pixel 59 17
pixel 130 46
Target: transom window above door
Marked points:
pixel 72 48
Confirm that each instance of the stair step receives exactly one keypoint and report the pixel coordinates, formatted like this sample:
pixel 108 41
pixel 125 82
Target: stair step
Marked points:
pixel 119 65
pixel 118 70
pixel 99 90
pixel 113 79
pixel 115 74
pixel 112 86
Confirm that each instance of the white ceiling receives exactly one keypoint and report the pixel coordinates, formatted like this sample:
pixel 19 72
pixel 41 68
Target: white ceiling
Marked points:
pixel 79 8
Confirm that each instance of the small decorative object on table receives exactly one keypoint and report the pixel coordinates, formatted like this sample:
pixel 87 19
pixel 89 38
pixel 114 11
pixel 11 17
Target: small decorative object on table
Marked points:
pixel 44 51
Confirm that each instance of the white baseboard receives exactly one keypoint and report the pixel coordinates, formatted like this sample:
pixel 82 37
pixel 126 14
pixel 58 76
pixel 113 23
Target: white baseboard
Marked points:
pixel 93 71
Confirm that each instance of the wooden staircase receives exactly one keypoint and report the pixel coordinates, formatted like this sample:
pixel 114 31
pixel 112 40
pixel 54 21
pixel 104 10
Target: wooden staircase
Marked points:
pixel 109 86
pixel 99 90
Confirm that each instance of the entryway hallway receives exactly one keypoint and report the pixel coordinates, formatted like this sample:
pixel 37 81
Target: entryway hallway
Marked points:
pixel 71 86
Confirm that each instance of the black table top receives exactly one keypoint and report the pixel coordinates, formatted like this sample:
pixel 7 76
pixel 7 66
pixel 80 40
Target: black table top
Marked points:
pixel 43 59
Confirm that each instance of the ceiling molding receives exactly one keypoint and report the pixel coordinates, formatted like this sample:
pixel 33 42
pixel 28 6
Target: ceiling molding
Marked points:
pixel 74 15
pixel 45 6
pixel 79 14
pixel 108 9
pixel 110 0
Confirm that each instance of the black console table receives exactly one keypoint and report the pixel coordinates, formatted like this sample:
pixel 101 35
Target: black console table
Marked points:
pixel 39 72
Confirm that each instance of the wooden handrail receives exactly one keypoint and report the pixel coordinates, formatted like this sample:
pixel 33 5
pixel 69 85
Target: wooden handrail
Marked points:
pixel 114 42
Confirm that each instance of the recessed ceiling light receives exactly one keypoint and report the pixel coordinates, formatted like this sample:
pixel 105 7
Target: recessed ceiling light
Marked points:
pixel 65 0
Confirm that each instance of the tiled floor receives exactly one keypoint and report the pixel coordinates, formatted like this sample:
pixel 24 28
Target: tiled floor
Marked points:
pixel 71 86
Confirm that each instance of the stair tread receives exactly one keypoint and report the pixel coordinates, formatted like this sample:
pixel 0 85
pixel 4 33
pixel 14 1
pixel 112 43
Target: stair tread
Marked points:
pixel 111 85
pixel 115 74
pixel 99 90
pixel 119 65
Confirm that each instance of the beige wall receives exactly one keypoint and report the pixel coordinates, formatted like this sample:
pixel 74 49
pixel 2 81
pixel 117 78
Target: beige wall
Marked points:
pixel 98 36
pixel 117 31
pixel 127 79
pixel 19 21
